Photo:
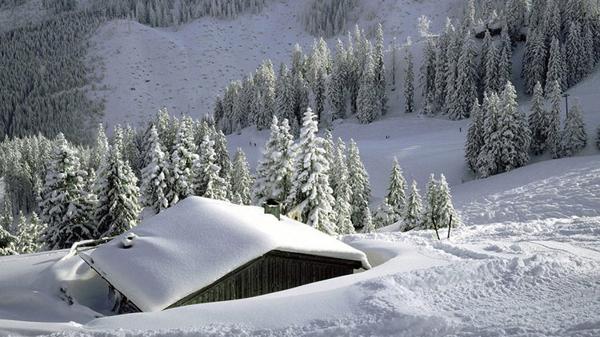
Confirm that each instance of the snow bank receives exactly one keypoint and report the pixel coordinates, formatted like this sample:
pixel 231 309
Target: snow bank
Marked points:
pixel 196 242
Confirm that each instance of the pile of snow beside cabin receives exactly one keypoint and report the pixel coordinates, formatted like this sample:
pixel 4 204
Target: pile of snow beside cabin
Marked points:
pixel 526 263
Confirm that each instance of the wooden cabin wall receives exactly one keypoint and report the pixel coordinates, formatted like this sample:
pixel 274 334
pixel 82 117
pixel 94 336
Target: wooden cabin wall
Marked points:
pixel 272 272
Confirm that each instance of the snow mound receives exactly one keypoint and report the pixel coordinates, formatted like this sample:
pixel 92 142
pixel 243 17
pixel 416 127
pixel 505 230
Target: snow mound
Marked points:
pixel 198 241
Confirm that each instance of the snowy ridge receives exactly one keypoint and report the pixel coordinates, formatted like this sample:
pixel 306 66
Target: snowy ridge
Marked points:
pixel 198 241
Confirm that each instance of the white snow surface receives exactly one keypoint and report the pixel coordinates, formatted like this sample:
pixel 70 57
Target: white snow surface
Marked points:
pixel 196 242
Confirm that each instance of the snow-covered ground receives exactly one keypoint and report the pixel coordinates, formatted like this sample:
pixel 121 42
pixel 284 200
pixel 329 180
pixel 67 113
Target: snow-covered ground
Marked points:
pixel 526 262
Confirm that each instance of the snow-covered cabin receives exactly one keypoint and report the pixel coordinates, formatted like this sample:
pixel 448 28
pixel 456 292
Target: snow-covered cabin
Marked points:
pixel 204 250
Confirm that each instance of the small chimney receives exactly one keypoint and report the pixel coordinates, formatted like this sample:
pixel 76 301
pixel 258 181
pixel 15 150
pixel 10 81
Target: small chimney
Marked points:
pixel 273 207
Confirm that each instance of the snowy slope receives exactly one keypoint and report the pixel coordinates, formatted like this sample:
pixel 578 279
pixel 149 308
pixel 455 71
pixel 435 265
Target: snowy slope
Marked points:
pixel 185 68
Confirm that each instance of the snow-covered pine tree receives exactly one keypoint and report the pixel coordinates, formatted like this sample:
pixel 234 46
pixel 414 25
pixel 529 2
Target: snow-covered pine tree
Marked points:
pixel 285 98
pixel 384 215
pixel 445 205
pixel 412 213
pixel 490 79
pixel 491 149
pixel 222 158
pixel 329 148
pixel 337 83
pixel 342 210
pixel 264 95
pixel 538 121
pixel 29 233
pixel 206 181
pixel 65 204
pixel 453 52
pixel 101 147
pixel 556 66
pixel 7 242
pixel 183 157
pixel 486 45
pixel 515 14
pixel 515 137
pixel 358 179
pixel 241 179
pixel 367 104
pixel 475 136
pixel 380 83
pixel 166 126
pixel 441 66
pixel 275 170
pixel 311 191
pixel 505 60
pixel 369 226
pixel 409 79
pixel 576 64
pixel 428 72
pixel 553 131
pixel 438 208
pixel 534 61
pixel 574 136
pixel 465 91
pixel 154 187
pixel 396 196
pixel 117 209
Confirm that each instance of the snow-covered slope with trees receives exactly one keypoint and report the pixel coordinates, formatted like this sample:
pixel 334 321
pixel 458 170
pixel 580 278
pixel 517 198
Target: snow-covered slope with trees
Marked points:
pixel 185 68
pixel 528 272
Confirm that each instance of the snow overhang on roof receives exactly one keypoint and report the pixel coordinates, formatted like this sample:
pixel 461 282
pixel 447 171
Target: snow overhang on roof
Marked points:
pixel 196 242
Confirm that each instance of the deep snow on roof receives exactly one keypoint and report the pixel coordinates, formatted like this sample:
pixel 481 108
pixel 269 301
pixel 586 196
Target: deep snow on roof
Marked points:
pixel 194 243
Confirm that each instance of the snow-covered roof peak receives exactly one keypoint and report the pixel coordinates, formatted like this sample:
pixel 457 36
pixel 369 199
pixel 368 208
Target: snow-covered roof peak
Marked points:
pixel 196 242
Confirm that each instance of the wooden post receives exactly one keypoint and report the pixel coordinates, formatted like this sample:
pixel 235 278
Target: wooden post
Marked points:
pixel 449 226
pixel 435 227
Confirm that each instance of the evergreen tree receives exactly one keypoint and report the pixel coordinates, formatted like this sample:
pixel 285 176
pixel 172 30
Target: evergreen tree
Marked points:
pixel 183 157
pixel 490 151
pixel 428 70
pixel 484 57
pixel 241 179
pixel 534 63
pixel 337 84
pixel 441 66
pixel 465 92
pixel 475 136
pixel 264 95
pixel 358 179
pixel 505 60
pixel 515 138
pixel 311 191
pixel 342 210
pixel 556 66
pixel 117 209
pixel 206 181
pixel 7 243
pixel 367 104
pixel 396 196
pixel 29 234
pixel 101 148
pixel 384 215
pixel 413 211
pixel 452 56
pixel 380 84
pixel 285 98
pixel 274 172
pixel 438 208
pixel 553 127
pixel 575 58
pixel 490 77
pixel 538 121
pixel 409 78
pixel 369 226
pixel 65 205
pixel 155 175
pixel 222 158
pixel 574 136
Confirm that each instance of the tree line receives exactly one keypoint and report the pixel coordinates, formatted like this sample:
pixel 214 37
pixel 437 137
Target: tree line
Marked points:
pixel 61 193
